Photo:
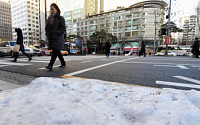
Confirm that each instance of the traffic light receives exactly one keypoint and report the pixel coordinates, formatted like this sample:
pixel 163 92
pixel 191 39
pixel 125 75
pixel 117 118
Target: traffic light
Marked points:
pixel 163 31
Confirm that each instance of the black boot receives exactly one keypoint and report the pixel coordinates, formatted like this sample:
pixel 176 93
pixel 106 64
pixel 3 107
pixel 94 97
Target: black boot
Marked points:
pixel 30 59
pixel 63 65
pixel 49 67
pixel 14 61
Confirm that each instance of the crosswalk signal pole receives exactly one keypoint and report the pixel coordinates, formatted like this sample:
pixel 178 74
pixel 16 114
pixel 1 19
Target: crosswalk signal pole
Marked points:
pixel 168 33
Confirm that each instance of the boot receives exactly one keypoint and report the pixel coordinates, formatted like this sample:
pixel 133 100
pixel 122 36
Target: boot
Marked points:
pixel 49 67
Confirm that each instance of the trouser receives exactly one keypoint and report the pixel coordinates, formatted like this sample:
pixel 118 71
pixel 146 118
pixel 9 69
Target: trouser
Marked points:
pixel 107 53
pixel 142 52
pixel 196 53
pixel 55 54
pixel 17 55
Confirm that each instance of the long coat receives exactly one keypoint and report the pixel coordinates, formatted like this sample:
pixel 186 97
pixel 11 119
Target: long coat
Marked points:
pixel 107 47
pixel 55 33
pixel 20 39
pixel 196 45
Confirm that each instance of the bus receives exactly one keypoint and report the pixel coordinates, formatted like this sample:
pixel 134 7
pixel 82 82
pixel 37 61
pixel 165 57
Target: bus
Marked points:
pixel 180 50
pixel 71 48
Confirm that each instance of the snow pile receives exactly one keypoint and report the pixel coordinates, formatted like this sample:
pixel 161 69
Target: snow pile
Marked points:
pixel 50 101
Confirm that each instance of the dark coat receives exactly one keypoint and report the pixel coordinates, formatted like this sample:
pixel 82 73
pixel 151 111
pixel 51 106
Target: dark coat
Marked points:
pixel 196 45
pixel 55 33
pixel 20 39
pixel 143 46
pixel 107 47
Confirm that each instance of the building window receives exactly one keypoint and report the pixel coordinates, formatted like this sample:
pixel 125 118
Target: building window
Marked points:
pixel 136 14
pixel 115 23
pixel 135 34
pixel 143 27
pixel 135 27
pixel 128 22
pixel 135 21
pixel 128 28
pixel 143 33
pixel 115 29
pixel 128 16
pixel 144 20
pixel 127 34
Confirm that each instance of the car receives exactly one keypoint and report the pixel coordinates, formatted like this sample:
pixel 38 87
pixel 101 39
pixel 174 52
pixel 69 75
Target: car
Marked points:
pixel 36 51
pixel 46 52
pixel 29 51
pixel 169 53
pixel 6 48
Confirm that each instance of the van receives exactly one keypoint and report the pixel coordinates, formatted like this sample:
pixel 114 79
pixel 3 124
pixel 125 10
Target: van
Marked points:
pixel 6 48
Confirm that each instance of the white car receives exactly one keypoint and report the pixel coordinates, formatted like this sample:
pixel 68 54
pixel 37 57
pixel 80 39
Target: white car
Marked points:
pixel 6 48
pixel 169 53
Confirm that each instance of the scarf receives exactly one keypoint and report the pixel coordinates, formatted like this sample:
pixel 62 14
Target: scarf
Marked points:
pixel 50 19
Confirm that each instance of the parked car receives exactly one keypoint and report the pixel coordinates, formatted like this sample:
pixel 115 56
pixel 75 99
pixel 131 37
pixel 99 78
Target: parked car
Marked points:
pixel 169 53
pixel 46 52
pixel 6 48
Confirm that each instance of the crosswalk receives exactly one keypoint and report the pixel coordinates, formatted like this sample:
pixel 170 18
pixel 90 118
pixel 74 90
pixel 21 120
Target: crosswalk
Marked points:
pixel 5 62
pixel 196 85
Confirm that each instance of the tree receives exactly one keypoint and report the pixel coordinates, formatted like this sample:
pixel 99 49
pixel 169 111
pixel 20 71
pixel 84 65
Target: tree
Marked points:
pixel 173 28
pixel 100 38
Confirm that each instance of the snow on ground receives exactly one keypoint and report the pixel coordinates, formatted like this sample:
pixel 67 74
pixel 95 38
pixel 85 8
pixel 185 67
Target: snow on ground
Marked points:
pixel 50 101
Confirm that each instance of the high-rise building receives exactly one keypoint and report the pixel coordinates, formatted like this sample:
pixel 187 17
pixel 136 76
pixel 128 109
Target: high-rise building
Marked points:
pixel 189 29
pixel 5 21
pixel 25 15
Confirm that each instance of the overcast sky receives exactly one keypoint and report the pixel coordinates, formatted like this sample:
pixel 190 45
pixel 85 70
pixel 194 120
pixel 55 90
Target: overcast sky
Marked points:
pixel 187 5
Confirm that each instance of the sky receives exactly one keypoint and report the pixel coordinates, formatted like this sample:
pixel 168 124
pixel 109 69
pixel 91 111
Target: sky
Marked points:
pixel 187 5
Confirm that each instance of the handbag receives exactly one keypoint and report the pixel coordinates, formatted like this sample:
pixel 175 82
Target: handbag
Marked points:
pixel 16 48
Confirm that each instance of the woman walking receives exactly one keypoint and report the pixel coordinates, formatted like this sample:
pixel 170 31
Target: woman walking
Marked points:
pixel 55 29
pixel 20 42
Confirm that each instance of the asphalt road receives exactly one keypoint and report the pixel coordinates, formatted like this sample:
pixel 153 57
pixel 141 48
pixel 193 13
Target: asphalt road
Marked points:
pixel 152 71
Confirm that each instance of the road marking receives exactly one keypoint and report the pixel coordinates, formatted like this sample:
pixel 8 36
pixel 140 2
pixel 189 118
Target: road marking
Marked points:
pixel 3 65
pixel 175 59
pixel 178 84
pixel 53 67
pixel 179 66
pixel 165 65
pixel 14 64
pixel 86 61
pixel 182 67
pixel 188 79
pixel 96 67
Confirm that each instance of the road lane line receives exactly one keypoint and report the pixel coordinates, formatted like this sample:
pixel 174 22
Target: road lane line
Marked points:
pixel 3 65
pixel 14 64
pixel 165 65
pixel 86 61
pixel 182 67
pixel 188 79
pixel 178 84
pixel 96 67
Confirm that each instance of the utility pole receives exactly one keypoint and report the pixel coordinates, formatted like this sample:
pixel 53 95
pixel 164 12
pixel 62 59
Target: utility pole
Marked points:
pixel 154 46
pixel 168 33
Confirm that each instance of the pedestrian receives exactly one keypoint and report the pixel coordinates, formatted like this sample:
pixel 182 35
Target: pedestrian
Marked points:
pixel 20 42
pixel 55 31
pixel 114 53
pixel 195 48
pixel 143 50
pixel 107 47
